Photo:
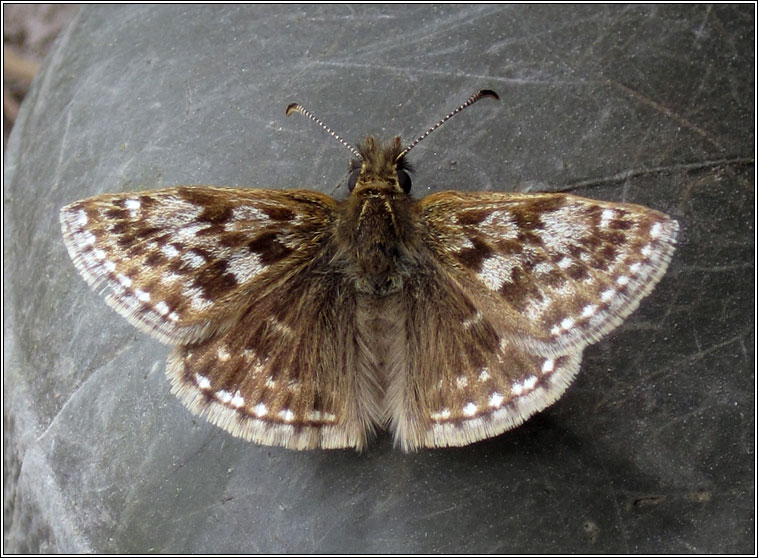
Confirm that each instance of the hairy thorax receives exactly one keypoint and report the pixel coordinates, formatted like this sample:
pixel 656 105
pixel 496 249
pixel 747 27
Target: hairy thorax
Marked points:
pixel 379 239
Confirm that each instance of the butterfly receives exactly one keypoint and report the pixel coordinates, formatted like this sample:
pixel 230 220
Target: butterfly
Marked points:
pixel 307 322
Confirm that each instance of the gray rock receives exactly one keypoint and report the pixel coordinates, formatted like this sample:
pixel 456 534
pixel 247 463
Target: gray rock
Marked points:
pixel 650 451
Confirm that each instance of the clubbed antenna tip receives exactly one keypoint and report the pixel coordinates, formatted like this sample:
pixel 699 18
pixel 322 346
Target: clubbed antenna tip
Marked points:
pixel 470 101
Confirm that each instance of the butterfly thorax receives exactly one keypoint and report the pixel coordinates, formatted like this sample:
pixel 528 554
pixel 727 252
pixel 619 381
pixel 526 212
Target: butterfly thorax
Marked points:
pixel 377 224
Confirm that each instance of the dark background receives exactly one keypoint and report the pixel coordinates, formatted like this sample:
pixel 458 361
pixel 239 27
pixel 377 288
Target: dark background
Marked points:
pixel 650 451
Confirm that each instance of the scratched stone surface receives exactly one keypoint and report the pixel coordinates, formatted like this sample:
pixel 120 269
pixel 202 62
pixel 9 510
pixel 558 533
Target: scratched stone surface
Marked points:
pixel 652 448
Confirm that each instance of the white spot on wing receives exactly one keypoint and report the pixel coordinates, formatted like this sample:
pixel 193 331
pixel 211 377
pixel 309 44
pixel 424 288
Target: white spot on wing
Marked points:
pixel 133 207
pixel 237 400
pixel 468 322
pixel 193 259
pixel 562 228
pixel 496 271
pixel 466 243
pixel 280 327
pixel 470 409
pixel 248 213
pixel 606 217
pixel 318 416
pixel 202 381
pixel 190 231
pixel 260 410
pixel 567 323
pixel 607 295
pixel 86 238
pixel 503 224
pixel 197 300
pixel 141 295
pixel 245 266
pixel 169 277
pixel 169 251
pixel 81 218
pixel 223 354
pixel 543 268
pixel 496 400
pixel 442 415
pixel 588 310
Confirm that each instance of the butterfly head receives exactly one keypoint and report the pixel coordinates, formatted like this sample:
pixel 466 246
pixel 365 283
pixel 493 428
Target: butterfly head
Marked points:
pixel 380 167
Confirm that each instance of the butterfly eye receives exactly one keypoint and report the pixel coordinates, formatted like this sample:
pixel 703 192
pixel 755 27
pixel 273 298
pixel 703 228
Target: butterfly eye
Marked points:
pixel 353 178
pixel 404 179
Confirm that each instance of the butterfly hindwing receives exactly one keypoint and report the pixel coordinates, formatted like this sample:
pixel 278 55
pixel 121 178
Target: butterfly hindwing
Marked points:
pixel 463 379
pixel 284 373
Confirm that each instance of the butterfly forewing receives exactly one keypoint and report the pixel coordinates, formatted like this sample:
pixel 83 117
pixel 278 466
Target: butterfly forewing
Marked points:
pixel 181 263
pixel 559 270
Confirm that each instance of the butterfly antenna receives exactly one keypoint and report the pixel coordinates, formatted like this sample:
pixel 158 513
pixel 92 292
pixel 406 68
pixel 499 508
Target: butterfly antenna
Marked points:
pixel 471 100
pixel 295 107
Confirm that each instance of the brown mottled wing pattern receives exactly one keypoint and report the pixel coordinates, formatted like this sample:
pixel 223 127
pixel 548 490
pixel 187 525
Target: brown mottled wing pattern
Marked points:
pixel 178 263
pixel 285 375
pixel 226 274
pixel 274 343
pixel 525 282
